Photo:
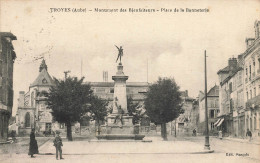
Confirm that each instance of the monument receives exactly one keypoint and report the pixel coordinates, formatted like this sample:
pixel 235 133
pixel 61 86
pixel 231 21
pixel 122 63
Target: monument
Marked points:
pixel 119 124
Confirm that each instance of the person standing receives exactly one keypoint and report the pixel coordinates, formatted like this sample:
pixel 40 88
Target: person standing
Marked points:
pixel 33 146
pixel 57 142
pixel 220 134
pixel 194 132
pixel 249 134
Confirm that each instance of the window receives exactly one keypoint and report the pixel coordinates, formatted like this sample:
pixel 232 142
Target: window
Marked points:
pixel 250 72
pixel 254 92
pixel 247 95
pixel 250 94
pixel 32 99
pixel 230 87
pixel 111 90
pixel 211 125
pixel 211 113
pixel 27 120
pixel 180 125
pixel 216 103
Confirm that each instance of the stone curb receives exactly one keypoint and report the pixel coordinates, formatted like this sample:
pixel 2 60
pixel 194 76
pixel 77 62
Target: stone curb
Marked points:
pixel 144 141
pixel 241 141
pixel 200 152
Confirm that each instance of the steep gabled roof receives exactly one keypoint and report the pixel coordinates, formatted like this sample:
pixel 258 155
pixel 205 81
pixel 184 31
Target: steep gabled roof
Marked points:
pixel 44 78
pixel 214 91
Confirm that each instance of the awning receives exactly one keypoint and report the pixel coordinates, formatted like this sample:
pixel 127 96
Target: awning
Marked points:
pixel 215 124
pixel 220 122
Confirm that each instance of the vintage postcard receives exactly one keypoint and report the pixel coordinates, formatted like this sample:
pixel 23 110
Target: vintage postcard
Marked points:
pixel 129 81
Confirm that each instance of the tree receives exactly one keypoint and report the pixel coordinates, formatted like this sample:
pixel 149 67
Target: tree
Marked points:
pixel 163 103
pixel 98 110
pixel 68 99
pixel 134 109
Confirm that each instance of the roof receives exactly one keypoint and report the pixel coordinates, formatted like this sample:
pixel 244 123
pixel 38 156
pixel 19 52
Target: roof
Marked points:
pixel 230 76
pixel 226 69
pixel 213 92
pixel 43 79
pixel 8 34
pixel 111 84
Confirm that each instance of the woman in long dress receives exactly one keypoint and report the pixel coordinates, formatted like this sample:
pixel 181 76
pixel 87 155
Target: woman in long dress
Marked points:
pixel 33 148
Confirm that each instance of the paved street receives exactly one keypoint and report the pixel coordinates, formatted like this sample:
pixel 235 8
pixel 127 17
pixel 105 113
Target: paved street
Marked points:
pixel 231 147
pixel 174 150
pixel 22 145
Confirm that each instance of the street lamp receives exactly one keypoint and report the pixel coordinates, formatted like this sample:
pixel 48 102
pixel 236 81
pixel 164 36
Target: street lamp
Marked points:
pixel 206 146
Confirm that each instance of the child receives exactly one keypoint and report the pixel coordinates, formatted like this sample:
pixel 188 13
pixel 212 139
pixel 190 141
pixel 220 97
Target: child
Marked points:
pixel 57 142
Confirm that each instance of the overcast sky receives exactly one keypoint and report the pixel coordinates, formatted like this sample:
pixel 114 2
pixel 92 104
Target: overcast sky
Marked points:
pixel 173 43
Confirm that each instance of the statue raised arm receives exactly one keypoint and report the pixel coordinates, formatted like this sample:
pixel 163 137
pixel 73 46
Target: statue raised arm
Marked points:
pixel 120 53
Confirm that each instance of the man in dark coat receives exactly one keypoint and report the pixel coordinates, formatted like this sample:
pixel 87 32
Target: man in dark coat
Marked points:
pixel 249 134
pixel 57 142
pixel 33 148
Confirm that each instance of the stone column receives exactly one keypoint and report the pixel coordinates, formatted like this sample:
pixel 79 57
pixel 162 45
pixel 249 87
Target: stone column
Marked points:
pixel 120 97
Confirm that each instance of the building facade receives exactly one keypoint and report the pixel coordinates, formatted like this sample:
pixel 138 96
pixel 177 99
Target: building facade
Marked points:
pixel 213 110
pixel 231 98
pixel 105 90
pixel 240 90
pixel 252 82
pixel 188 121
pixel 7 57
pixel 32 106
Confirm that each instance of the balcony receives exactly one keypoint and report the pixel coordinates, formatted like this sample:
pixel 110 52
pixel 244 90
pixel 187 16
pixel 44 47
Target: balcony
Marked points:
pixel 253 102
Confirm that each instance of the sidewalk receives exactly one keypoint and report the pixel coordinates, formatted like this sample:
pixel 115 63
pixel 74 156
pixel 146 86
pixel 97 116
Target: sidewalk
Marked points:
pixel 124 147
pixel 255 140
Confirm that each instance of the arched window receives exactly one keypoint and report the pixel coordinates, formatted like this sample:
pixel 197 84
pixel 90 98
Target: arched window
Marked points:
pixel 27 120
pixel 32 99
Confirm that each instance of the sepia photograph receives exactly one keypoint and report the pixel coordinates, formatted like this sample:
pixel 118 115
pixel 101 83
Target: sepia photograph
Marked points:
pixel 129 81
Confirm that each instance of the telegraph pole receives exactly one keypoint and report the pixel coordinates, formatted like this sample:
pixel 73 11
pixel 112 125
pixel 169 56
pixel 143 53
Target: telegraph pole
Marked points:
pixel 207 146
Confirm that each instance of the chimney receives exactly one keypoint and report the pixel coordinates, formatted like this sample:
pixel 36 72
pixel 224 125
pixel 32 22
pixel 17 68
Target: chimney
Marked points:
pixel 21 99
pixel 105 76
pixel 257 29
pixel 249 42
pixel 186 92
pixel 232 64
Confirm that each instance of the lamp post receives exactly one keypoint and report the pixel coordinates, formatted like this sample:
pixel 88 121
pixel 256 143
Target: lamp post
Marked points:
pixel 206 146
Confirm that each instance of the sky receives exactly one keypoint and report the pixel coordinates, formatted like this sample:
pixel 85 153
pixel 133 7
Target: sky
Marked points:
pixel 165 44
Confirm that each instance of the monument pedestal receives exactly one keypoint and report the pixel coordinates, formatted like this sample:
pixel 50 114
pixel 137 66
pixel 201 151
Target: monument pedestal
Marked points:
pixel 116 128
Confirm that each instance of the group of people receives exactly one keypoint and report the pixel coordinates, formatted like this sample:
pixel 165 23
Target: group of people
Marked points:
pixel 33 146
pixel 220 135
pixel 248 134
